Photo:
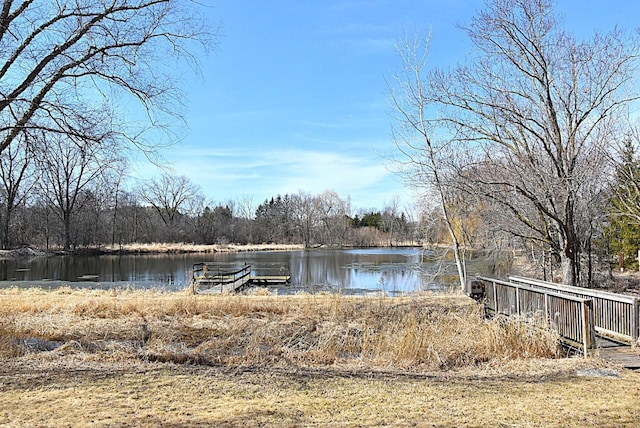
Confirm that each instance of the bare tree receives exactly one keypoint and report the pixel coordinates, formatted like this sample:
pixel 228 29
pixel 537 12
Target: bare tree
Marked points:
pixel 307 215
pixel 114 179
pixel 391 218
pixel 58 58
pixel 17 175
pixel 245 211
pixel 334 215
pixel 245 207
pixel 171 197
pixel 69 166
pixel 426 157
pixel 535 106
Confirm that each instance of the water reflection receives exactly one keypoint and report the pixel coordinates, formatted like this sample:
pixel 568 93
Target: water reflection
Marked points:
pixel 392 270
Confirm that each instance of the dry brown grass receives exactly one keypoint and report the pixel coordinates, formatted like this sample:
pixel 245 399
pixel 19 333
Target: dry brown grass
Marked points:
pixel 419 333
pixel 179 247
pixel 144 358
pixel 542 393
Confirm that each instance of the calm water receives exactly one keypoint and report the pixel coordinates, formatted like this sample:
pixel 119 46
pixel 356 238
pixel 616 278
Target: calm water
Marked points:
pixel 391 270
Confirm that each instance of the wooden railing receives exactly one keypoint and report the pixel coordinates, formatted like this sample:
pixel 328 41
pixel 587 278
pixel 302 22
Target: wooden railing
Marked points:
pixel 208 275
pixel 615 315
pixel 570 316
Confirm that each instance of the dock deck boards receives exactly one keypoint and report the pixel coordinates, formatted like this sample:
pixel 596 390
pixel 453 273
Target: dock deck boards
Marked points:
pixel 270 280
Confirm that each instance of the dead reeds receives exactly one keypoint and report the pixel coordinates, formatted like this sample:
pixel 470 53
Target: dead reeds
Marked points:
pixel 178 248
pixel 428 331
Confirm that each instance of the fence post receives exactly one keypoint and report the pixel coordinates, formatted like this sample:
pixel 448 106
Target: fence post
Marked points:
pixel 592 324
pixel 587 326
pixel 517 300
pixel 635 321
pixel 547 315
pixel 495 298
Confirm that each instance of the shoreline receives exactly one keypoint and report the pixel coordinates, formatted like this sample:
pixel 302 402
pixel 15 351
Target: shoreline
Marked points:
pixel 182 248
pixel 170 248
pixel 155 248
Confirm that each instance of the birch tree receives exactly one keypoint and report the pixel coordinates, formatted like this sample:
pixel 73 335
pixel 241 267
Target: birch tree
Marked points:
pixel 426 156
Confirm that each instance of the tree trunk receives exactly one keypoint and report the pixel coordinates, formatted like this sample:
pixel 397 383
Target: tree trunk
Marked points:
pixel 462 274
pixel 569 257
pixel 5 229
pixel 6 220
pixel 67 232
pixel 569 265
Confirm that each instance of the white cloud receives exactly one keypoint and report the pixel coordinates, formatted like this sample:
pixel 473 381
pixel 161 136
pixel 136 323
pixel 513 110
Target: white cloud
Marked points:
pixel 316 171
pixel 225 174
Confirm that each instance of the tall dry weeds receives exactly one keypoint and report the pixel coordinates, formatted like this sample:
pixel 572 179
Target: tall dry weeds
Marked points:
pixel 430 331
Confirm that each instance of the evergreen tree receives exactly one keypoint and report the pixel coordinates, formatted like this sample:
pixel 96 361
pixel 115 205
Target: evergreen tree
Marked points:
pixel 623 228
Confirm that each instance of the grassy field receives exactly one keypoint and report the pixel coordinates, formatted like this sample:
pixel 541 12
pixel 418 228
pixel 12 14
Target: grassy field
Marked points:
pixel 141 358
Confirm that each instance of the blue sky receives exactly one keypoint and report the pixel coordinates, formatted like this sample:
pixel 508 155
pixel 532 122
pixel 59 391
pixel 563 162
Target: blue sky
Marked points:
pixel 294 97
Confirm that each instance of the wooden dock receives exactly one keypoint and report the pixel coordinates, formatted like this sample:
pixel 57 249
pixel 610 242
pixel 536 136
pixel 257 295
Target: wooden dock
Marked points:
pixel 224 278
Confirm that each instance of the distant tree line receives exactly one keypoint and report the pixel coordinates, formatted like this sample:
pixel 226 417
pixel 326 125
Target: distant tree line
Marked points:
pixel 74 201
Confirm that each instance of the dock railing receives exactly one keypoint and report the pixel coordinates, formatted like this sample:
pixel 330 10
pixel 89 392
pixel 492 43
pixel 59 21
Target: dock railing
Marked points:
pixel 209 275
pixel 616 316
pixel 570 316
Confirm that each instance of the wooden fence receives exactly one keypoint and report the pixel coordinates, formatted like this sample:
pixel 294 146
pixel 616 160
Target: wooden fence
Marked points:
pixel 570 316
pixel 615 315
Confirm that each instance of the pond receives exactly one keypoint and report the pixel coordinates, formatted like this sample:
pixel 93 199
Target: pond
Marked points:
pixel 388 270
